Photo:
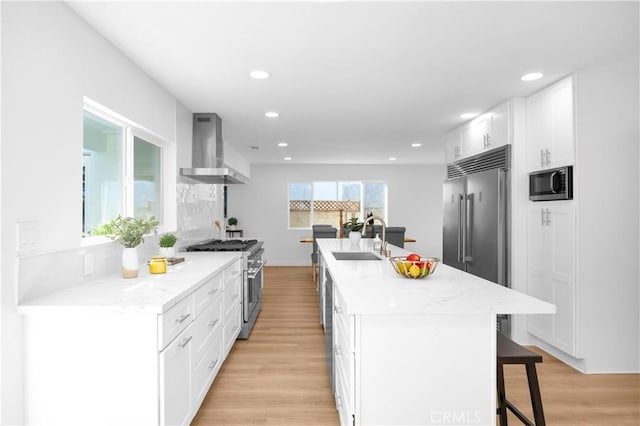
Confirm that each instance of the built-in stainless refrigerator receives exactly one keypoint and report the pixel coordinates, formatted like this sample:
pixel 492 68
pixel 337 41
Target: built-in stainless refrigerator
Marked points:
pixel 476 218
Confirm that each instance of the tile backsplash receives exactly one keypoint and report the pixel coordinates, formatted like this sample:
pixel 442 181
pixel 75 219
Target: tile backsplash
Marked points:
pixel 40 274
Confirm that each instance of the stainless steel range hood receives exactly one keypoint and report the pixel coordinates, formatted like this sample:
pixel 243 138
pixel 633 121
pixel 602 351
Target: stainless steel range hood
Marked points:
pixel 208 153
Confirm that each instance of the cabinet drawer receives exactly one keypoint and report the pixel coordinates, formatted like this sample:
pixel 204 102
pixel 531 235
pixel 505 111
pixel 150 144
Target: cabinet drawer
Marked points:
pixel 176 319
pixel 205 326
pixel 206 368
pixel 344 399
pixel 204 295
pixel 343 356
pixel 233 271
pixel 232 294
pixel 231 328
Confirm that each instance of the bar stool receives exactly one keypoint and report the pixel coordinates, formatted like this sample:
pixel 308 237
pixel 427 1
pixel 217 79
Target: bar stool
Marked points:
pixel 509 352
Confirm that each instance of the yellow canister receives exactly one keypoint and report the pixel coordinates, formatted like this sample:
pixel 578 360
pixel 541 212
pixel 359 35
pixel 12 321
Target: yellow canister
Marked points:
pixel 158 265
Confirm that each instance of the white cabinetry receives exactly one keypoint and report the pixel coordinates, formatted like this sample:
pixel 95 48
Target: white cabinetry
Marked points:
pixel 453 148
pixel 131 365
pixel 550 127
pixel 490 130
pixel 551 272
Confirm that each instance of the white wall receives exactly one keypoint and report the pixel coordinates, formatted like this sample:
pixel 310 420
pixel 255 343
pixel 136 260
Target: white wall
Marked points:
pixel 261 206
pixel 51 59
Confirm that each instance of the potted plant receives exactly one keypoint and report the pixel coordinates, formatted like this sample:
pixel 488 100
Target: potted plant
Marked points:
pixel 167 241
pixel 129 232
pixel 232 222
pixel 354 227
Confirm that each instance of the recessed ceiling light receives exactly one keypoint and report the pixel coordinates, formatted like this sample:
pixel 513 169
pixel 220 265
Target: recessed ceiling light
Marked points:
pixel 283 144
pixel 531 76
pixel 416 145
pixel 259 74
pixel 287 158
pixel 254 147
pixel 392 158
pixel 271 114
pixel 468 115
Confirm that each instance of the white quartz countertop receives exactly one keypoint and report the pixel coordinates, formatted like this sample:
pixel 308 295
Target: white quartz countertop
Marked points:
pixel 373 287
pixel 148 293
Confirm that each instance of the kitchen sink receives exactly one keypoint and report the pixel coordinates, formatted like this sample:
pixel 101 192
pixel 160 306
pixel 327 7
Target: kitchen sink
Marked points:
pixel 355 255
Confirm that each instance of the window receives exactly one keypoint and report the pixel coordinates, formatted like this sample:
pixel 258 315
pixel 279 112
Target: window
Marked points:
pixel 121 172
pixel 326 202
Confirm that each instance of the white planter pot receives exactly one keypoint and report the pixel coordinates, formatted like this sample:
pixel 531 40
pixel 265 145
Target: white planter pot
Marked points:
pixel 167 251
pixel 354 237
pixel 130 263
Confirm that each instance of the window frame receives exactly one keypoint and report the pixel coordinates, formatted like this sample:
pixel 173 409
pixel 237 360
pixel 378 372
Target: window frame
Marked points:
pixel 311 209
pixel 131 130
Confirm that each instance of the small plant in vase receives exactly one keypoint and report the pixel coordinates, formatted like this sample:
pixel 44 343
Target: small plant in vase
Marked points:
pixel 129 232
pixel 167 241
pixel 232 222
pixel 354 227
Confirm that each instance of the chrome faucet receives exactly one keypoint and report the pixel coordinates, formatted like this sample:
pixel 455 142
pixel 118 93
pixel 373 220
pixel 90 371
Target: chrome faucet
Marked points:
pixel 383 246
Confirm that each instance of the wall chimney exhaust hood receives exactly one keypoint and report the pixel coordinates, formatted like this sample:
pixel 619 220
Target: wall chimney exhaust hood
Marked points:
pixel 207 158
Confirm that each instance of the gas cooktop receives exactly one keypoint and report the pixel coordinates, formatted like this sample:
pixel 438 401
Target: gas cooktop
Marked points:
pixel 224 245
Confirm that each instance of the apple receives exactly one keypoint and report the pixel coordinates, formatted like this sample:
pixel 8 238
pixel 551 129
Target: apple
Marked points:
pixel 413 257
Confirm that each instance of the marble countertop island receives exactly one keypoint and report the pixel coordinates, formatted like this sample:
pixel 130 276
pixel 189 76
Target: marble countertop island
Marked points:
pixel 373 287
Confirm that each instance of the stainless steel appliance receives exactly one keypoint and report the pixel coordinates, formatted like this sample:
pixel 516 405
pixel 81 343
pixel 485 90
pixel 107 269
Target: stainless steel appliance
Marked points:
pixel 476 215
pixel 476 218
pixel 551 184
pixel 252 279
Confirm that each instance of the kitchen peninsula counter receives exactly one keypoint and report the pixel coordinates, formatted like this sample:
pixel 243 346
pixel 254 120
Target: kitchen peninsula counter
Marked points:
pixel 414 351
pixel 148 293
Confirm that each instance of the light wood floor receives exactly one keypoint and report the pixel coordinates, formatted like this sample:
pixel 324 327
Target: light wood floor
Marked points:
pixel 279 377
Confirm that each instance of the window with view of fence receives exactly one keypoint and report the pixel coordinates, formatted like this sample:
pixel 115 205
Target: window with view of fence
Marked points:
pixel 350 199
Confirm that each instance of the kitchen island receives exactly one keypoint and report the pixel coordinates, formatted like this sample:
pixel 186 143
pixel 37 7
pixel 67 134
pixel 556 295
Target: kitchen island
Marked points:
pixel 413 351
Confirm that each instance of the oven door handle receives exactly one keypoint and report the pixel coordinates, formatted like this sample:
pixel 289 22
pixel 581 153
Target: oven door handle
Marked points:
pixel 253 272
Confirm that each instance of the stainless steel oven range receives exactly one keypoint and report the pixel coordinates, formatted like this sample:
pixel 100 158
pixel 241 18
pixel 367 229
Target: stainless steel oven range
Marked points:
pixel 252 279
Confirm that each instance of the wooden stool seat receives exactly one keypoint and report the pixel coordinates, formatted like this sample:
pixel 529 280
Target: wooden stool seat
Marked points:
pixel 509 352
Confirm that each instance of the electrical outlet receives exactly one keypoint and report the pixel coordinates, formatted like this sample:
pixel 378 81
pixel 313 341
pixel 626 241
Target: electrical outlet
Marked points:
pixel 27 235
pixel 88 263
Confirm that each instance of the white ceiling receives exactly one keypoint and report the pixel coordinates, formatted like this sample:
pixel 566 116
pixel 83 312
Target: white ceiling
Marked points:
pixel 357 82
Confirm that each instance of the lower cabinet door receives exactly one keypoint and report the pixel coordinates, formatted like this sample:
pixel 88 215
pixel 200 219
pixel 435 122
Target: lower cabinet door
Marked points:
pixel 206 369
pixel 232 328
pixel 175 380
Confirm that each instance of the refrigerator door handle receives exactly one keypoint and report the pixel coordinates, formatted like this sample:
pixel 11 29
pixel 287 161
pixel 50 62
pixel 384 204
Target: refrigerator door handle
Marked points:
pixel 468 253
pixel 460 228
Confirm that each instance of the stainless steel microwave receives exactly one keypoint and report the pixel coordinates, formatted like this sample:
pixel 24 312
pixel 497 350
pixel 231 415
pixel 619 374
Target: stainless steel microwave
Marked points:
pixel 551 184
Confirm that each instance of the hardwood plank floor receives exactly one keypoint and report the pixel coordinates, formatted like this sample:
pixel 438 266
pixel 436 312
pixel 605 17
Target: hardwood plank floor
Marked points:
pixel 279 377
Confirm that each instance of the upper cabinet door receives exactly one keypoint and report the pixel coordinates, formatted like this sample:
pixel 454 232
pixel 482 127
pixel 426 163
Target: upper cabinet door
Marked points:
pixel 499 134
pixel 490 130
pixel 452 146
pixel 550 135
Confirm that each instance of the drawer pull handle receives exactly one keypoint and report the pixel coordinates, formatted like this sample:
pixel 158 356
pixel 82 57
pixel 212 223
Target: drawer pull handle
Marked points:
pixel 338 351
pixel 182 318
pixel 185 341
pixel 338 309
pixel 213 364
pixel 214 322
pixel 213 291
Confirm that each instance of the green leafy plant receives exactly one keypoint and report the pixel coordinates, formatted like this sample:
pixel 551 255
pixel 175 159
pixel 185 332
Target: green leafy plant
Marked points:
pixel 129 231
pixel 167 240
pixel 353 224
pixel 232 221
